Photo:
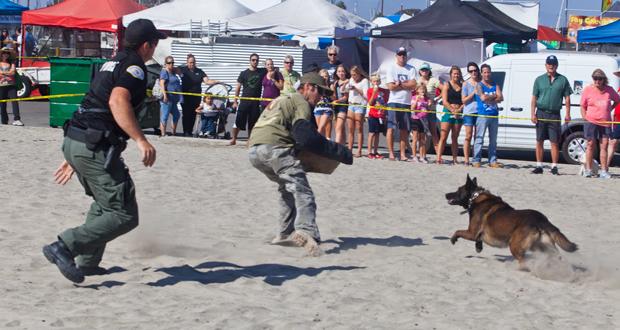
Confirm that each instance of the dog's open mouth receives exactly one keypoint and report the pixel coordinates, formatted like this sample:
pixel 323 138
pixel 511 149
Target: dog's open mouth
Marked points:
pixel 453 201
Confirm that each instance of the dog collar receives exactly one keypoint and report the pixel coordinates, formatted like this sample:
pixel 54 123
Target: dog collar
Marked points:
pixel 473 197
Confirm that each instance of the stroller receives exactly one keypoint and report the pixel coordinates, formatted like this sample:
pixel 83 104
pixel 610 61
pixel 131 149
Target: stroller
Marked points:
pixel 221 102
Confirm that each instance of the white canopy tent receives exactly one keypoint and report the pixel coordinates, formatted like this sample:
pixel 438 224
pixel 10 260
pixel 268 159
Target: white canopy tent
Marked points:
pixel 176 15
pixel 319 18
pixel 258 5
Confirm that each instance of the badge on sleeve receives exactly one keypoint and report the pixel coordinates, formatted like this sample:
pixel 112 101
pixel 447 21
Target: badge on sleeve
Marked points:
pixel 136 72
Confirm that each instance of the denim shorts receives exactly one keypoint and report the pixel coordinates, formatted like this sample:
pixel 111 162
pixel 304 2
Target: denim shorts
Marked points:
pixel 596 132
pixel 168 109
pixel 323 111
pixel 469 120
pixel 615 132
pixel 399 119
pixel 357 109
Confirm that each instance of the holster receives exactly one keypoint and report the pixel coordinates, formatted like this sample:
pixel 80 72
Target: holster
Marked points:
pixel 96 140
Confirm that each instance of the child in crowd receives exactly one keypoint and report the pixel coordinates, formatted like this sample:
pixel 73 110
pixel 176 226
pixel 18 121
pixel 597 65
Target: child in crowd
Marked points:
pixel 420 104
pixel 208 117
pixel 377 96
pixel 323 111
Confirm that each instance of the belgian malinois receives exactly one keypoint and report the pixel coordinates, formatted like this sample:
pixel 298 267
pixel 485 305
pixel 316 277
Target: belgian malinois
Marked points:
pixel 494 222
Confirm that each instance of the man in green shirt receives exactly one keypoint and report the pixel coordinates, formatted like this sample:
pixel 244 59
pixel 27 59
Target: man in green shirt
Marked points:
pixel 549 91
pixel 291 77
pixel 285 128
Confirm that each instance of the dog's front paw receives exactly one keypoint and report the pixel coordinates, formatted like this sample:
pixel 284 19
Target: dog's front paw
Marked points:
pixel 478 246
pixel 453 239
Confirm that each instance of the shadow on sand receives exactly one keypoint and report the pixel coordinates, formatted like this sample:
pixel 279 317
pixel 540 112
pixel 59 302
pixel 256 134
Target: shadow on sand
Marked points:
pixel 225 272
pixel 352 243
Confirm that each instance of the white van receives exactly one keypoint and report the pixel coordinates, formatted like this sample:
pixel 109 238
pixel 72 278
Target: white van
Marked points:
pixel 515 73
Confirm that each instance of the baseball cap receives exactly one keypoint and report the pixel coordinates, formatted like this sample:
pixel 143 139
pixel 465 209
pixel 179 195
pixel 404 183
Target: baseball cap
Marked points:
pixel 142 30
pixel 315 79
pixel 401 51
pixel 552 60
pixel 425 66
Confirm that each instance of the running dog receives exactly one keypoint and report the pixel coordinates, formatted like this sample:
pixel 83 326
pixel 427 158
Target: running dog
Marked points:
pixel 494 222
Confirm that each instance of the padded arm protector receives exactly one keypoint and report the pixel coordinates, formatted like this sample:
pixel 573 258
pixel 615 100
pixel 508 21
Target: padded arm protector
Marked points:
pixel 307 138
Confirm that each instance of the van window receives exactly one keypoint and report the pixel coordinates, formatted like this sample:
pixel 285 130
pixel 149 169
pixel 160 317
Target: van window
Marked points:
pixel 498 77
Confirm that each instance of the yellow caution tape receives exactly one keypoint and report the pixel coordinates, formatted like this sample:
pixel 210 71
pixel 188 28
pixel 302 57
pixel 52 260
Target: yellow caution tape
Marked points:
pixel 32 98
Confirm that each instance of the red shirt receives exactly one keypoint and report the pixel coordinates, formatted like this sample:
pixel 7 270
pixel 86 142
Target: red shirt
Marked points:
pixel 381 100
pixel 617 111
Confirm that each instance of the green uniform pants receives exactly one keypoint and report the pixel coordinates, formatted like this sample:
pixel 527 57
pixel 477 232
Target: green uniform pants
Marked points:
pixel 114 211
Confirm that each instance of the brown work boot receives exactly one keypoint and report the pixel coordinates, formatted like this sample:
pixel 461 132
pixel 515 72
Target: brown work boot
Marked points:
pixel 496 165
pixel 306 241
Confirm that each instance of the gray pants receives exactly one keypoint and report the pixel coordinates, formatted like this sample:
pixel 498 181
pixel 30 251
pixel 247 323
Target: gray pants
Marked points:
pixel 297 206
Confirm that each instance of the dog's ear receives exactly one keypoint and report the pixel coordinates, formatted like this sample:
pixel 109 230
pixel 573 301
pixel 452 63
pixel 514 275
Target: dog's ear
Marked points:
pixel 468 181
pixel 475 182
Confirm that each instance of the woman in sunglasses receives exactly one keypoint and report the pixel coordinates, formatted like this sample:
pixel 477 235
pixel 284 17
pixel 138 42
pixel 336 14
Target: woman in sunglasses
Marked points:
pixel 170 84
pixel 597 100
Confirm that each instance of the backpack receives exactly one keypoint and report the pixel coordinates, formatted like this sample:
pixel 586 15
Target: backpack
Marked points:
pixel 156 91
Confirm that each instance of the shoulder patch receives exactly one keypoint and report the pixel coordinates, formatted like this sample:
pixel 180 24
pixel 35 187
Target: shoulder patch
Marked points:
pixel 136 72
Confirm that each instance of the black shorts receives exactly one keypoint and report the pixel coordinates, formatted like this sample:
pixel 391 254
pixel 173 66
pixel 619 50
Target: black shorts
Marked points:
pixel 374 125
pixel 596 132
pixel 548 130
pixel 418 125
pixel 615 132
pixel 247 114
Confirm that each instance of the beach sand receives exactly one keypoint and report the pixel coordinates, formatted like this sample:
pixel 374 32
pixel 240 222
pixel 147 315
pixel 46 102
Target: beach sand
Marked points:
pixel 199 258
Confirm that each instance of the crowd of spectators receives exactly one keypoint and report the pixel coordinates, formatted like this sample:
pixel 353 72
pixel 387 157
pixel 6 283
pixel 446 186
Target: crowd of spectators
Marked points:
pixel 404 107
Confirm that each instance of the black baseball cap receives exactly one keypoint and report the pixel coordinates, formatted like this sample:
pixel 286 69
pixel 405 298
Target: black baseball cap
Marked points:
pixel 551 60
pixel 401 51
pixel 142 30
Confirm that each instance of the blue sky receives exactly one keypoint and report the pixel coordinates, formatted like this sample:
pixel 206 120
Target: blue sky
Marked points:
pixel 549 9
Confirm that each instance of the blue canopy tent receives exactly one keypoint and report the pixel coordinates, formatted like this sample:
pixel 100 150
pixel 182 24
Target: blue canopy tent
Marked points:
pixel 10 12
pixel 606 34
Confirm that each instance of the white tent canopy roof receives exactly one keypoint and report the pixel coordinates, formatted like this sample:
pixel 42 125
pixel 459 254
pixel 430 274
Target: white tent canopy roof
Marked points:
pixel 258 5
pixel 177 14
pixel 301 17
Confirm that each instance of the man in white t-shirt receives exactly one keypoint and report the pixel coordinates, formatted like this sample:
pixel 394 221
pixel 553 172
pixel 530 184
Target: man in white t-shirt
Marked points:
pixel 401 80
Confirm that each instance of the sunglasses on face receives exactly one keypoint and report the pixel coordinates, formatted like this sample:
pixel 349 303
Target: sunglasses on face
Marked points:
pixel 332 54
pixel 598 78
pixel 288 62
pixel 169 62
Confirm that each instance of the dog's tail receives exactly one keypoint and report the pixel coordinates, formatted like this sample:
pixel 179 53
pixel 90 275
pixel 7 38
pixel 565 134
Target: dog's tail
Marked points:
pixel 559 238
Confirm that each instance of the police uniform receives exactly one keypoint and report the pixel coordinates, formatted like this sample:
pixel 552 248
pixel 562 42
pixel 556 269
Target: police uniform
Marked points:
pixel 92 146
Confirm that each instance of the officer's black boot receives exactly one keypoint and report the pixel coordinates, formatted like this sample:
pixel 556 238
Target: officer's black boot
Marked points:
pixel 58 254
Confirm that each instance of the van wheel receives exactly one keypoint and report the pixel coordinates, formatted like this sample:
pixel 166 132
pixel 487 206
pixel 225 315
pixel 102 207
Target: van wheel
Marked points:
pixel 573 147
pixel 26 87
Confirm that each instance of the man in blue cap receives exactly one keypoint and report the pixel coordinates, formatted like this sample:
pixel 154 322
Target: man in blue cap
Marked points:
pixel 550 89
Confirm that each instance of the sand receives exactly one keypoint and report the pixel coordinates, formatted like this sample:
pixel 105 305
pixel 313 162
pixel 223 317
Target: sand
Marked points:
pixel 199 259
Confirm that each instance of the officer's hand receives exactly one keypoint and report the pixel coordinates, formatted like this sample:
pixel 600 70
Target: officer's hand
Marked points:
pixel 147 151
pixel 165 99
pixel 64 173
pixel 534 119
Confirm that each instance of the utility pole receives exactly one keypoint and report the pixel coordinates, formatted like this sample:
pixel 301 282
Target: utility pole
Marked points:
pixel 382 13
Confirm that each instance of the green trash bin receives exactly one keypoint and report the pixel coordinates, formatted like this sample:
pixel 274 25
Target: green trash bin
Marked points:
pixel 70 76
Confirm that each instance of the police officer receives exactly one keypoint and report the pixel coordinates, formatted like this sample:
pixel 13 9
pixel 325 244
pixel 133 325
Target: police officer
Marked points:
pixel 94 139
pixel 284 132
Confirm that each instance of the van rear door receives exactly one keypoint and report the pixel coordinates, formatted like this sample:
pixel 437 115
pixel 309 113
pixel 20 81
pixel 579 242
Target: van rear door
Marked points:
pixel 520 132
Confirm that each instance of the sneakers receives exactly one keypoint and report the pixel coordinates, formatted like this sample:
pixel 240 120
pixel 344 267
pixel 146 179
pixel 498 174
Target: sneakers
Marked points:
pixel 587 173
pixel 371 155
pixel 424 160
pixel 58 254
pixel 18 123
pixel 554 171
pixel 537 170
pixel 604 175
pixel 496 165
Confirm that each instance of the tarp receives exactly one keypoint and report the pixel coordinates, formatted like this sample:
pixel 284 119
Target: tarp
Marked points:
pixel 606 34
pixel 302 17
pixel 455 19
pixel 549 34
pixel 9 8
pixel 177 14
pixel 96 15
pixel 390 19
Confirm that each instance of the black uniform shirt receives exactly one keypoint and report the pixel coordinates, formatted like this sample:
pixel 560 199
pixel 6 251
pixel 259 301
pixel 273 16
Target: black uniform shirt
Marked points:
pixel 192 80
pixel 125 70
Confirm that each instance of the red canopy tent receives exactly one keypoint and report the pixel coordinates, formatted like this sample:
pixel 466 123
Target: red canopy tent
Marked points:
pixel 549 34
pixel 96 15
